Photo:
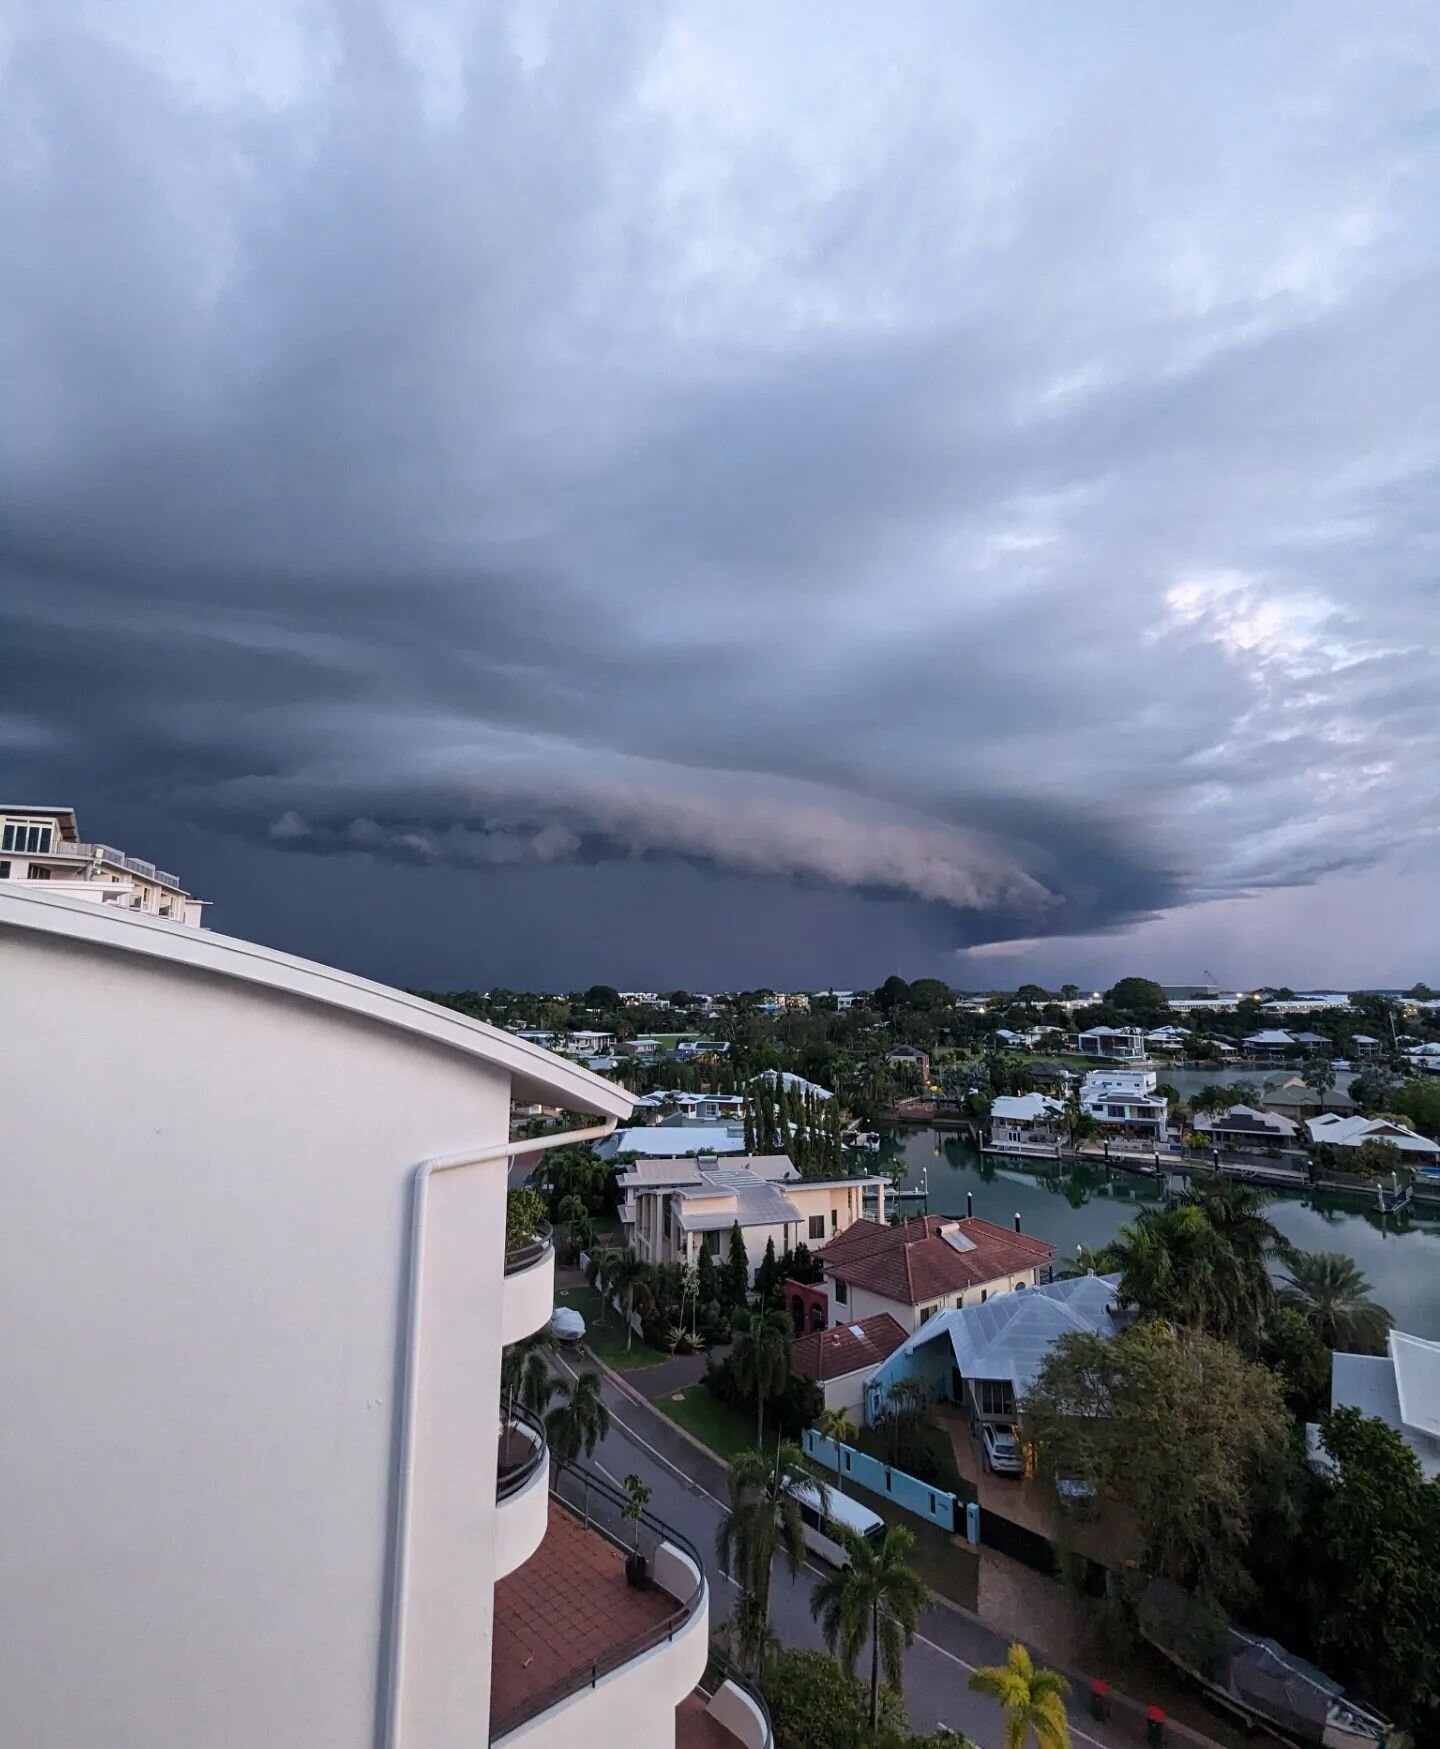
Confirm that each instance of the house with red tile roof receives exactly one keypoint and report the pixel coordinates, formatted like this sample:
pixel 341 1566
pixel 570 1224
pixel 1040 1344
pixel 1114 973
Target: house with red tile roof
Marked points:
pixel 920 1267
pixel 842 1359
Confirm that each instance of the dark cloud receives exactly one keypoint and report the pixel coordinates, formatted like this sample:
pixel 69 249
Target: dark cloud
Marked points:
pixel 948 485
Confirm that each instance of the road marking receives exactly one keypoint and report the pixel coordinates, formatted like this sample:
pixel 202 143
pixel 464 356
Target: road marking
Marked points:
pixel 965 1664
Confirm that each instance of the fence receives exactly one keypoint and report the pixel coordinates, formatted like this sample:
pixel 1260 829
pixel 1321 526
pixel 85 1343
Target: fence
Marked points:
pixel 921 1498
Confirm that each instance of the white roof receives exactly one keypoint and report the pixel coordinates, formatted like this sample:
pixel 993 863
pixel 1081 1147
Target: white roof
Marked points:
pixel 535 1074
pixel 660 1140
pixel 793 1083
pixel 1011 1334
pixel 1349 1132
pixel 1401 1388
pixel 1269 1038
pixel 1417 1381
pixel 1025 1106
pixel 1112 1032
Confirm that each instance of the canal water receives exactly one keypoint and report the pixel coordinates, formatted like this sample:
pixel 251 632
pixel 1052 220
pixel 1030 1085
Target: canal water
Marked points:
pixel 1074 1203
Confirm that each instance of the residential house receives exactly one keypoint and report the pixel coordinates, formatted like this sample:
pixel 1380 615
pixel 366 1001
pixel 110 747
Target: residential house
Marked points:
pixel 985 1356
pixel 1271 1043
pixel 925 1266
pixel 910 1060
pixel 1308 1002
pixel 1126 1103
pixel 272 1493
pixel 1025 1120
pixel 1400 1387
pixel 586 1043
pixel 672 1137
pixel 1424 1059
pixel 690 1048
pixel 1225 1003
pixel 1312 1041
pixel 672 1209
pixel 843 1360
pixel 706 1108
pixel 1170 1039
pixel 1293 1099
pixel 40 844
pixel 1118 1044
pixel 1333 1131
pixel 793 1083
pixel 1362 1045
pixel 1242 1126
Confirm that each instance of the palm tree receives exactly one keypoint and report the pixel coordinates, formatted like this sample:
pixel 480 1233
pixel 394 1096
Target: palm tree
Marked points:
pixel 578 1424
pixel 597 1273
pixel 761 1357
pixel 1334 1297
pixel 764 1514
pixel 879 1597
pixel 628 1276
pixel 1248 1242
pixel 836 1425
pixel 1031 1699
pixel 538 1384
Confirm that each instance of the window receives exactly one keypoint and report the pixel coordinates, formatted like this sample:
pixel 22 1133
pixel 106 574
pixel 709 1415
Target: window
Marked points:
pixel 817 1226
pixel 926 1314
pixel 834 1220
pixel 842 1294
pixel 4 871
pixel 666 1201
pixel 36 873
pixel 984 1295
pixel 17 835
pixel 997 1396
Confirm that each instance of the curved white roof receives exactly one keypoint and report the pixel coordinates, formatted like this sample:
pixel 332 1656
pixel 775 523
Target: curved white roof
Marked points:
pixel 535 1074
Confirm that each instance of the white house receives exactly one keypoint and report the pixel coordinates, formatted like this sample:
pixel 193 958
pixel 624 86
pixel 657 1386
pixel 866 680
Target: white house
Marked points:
pixel 1271 1043
pixel 1126 1100
pixel 1024 1119
pixel 1335 1131
pixel 1118 1044
pixel 43 845
pixel 253 1315
pixel 703 1107
pixel 1242 1126
pixel 1401 1388
pixel 1170 1039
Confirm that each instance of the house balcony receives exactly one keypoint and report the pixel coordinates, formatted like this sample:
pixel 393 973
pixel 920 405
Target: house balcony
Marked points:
pixel 522 1489
pixel 724 1712
pixel 582 1655
pixel 529 1296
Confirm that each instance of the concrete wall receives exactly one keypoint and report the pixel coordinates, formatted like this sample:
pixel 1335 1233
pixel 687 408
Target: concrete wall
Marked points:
pixel 202 1277
pixel 868 1473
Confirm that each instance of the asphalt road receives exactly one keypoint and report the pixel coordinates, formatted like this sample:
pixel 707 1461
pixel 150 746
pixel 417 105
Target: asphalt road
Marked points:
pixel 688 1489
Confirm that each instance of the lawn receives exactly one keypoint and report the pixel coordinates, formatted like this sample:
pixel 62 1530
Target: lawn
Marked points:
pixel 606 1340
pixel 724 1428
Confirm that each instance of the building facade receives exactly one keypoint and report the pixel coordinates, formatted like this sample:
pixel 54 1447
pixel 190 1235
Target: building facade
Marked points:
pixel 40 844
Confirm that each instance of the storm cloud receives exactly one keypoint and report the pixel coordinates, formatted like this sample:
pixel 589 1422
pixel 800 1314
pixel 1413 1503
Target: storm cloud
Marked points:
pixel 979 461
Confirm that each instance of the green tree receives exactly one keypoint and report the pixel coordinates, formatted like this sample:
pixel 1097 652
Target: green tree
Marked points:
pixel 602 996
pixel 815 1703
pixel 524 1216
pixel 576 1425
pixel 1141 997
pixel 836 1426
pixel 1032 993
pixel 537 1383
pixel 761 1357
pixel 1319 1076
pixel 1180 1427
pixel 1331 1293
pixel 735 1284
pixel 878 1597
pixel 762 1518
pixel 1372 1544
pixel 767 1276
pixel 1418 1102
pixel 892 994
pixel 1031 1699
pixel 706 1290
pixel 629 1280
pixel 930 993
pixel 1069 992
pixel 1293 1350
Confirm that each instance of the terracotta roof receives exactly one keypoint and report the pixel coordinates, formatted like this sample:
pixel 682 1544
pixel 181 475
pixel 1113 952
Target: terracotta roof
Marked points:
pixel 847 1348
pixel 914 1262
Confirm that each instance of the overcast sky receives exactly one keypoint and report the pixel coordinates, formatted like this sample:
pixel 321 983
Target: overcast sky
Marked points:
pixel 731 494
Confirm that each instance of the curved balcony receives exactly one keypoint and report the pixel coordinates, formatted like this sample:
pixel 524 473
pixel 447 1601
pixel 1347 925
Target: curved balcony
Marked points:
pixel 580 1650
pixel 529 1296
pixel 724 1711
pixel 522 1490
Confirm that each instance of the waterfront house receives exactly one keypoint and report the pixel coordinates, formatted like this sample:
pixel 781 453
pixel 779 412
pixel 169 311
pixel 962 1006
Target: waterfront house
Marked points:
pixel 1170 1039
pixel 843 1359
pixel 1271 1043
pixel 1293 1099
pixel 1400 1387
pixel 1117 1044
pixel 1025 1119
pixel 706 1108
pixel 985 1356
pixel 910 1060
pixel 1125 1102
pixel 1242 1126
pixel 925 1266
pixel 1333 1131
pixel 1362 1045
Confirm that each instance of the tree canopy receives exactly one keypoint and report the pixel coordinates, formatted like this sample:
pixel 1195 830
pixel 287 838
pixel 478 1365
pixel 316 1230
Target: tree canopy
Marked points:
pixel 1139 996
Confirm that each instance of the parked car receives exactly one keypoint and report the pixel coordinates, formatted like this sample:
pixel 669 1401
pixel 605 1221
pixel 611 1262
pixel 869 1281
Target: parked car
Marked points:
pixel 1001 1444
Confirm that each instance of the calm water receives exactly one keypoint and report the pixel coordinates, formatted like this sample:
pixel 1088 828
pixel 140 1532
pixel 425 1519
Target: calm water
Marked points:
pixel 1080 1204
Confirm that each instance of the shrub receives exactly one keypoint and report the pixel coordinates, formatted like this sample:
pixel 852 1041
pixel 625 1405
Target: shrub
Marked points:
pixel 815 1703
pixel 524 1216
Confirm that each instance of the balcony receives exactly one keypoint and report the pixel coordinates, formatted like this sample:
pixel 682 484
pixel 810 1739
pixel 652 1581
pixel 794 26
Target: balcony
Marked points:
pixel 581 1654
pixel 529 1295
pixel 522 1489
pixel 724 1712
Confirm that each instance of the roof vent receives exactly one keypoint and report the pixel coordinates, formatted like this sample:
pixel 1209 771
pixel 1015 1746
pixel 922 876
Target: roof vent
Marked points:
pixel 857 1332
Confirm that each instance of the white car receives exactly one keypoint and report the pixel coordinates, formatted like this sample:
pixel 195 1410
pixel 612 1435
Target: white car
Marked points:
pixel 1003 1456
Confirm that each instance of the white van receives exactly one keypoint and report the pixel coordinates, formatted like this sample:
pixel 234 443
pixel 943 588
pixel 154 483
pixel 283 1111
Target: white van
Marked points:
pixel 839 1509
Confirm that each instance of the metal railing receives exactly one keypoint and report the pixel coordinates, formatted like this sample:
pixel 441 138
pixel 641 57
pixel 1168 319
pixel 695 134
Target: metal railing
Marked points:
pixel 109 854
pixel 601 1508
pixel 721 1670
pixel 522 1450
pixel 525 1253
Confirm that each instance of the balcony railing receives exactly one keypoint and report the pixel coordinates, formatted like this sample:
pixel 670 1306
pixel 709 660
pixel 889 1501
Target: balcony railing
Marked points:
pixel 600 1508
pixel 107 853
pixel 527 1252
pixel 522 1450
pixel 718 1672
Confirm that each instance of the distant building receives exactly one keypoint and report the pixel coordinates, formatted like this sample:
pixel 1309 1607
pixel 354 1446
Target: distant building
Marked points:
pixel 1117 1044
pixel 707 1108
pixel 1125 1101
pixel 1293 1099
pixel 1333 1131
pixel 43 844
pixel 1024 1120
pixel 665 1141
pixel 1242 1126
pixel 910 1058
pixel 843 1359
pixel 1271 1043
pixel 793 1083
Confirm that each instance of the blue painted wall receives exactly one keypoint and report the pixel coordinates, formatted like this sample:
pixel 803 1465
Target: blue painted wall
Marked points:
pixel 882 1479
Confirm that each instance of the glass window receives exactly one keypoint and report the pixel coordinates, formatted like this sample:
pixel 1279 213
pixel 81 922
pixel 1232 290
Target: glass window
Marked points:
pixel 4 871
pixel 997 1397
pixel 817 1226
pixel 842 1294
pixel 23 837
pixel 36 873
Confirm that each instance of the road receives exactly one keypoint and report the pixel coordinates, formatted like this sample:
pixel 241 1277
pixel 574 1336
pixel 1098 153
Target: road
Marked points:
pixel 687 1492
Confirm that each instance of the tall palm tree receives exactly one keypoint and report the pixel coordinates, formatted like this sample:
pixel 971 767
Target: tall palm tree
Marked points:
pixel 597 1273
pixel 1031 1699
pixel 836 1425
pixel 763 1517
pixel 1247 1243
pixel 578 1423
pixel 879 1597
pixel 761 1357
pixel 628 1277
pixel 538 1384
pixel 1333 1295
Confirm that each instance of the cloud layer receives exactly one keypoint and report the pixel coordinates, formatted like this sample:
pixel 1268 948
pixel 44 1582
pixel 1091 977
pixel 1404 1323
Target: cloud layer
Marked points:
pixel 979 456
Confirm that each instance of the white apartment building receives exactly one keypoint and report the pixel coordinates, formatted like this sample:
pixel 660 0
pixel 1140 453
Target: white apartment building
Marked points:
pixel 674 1209
pixel 262 1488
pixel 44 844
pixel 1125 1100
